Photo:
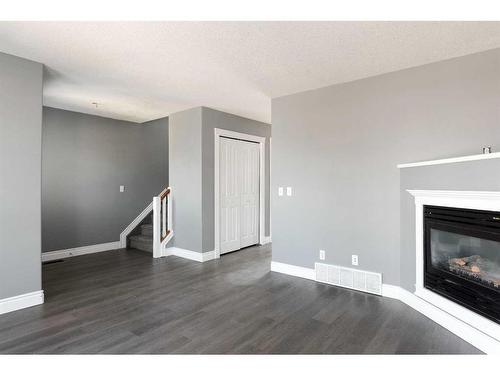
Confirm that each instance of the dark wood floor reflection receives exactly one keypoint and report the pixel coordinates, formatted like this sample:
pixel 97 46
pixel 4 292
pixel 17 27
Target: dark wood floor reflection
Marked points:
pixel 126 302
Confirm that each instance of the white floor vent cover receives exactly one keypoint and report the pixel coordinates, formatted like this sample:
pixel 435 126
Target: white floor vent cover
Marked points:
pixel 364 281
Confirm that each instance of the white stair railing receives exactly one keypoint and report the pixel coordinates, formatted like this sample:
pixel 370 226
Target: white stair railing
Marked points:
pixel 162 221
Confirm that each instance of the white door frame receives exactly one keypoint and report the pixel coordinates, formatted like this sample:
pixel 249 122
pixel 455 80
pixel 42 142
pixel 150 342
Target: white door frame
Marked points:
pixel 262 181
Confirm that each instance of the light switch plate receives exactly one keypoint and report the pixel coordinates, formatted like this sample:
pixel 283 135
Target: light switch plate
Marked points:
pixel 322 254
pixel 280 191
pixel 354 260
pixel 289 191
pixel 122 188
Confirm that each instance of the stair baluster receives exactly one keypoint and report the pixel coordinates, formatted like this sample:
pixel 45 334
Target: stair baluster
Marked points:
pixel 162 221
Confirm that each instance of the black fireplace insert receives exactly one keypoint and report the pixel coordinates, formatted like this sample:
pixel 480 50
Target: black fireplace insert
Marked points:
pixel 462 257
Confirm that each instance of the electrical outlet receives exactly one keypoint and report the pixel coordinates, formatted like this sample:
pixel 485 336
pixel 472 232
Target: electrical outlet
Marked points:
pixel 280 191
pixel 322 254
pixel 354 260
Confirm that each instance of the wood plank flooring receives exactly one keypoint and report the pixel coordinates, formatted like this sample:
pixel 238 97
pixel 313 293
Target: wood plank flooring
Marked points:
pixel 124 301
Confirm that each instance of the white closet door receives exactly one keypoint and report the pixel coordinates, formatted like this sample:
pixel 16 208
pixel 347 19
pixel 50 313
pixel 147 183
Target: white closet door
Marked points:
pixel 239 194
pixel 230 201
pixel 249 193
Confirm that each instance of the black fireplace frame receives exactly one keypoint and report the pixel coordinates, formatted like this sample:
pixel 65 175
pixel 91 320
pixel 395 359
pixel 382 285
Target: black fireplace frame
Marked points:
pixel 471 294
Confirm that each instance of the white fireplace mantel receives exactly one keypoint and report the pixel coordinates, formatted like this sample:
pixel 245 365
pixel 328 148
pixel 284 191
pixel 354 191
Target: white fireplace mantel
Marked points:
pixel 460 159
pixel 476 326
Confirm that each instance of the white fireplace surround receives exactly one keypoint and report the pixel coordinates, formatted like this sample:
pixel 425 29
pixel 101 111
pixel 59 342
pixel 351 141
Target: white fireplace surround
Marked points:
pixel 477 327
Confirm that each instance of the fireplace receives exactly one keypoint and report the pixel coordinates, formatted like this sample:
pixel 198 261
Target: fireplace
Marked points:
pixel 462 257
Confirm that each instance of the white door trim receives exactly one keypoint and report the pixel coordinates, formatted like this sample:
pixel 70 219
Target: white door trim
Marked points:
pixel 269 238
pixel 262 182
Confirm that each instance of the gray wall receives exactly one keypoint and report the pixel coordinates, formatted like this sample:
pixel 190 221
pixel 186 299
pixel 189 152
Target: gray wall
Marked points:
pixel 185 178
pixel 480 175
pixel 85 159
pixel 338 147
pixel 20 175
pixel 216 119
pixel 192 172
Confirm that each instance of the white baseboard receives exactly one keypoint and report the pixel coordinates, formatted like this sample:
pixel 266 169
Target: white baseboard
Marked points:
pixel 209 255
pixel 66 253
pixel 21 301
pixel 133 224
pixel 463 330
pixel 288 269
pixel 453 324
pixel 266 240
pixel 189 254
pixel 391 291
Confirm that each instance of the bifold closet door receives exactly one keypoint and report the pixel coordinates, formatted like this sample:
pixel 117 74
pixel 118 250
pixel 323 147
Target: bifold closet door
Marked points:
pixel 249 191
pixel 239 194
pixel 230 205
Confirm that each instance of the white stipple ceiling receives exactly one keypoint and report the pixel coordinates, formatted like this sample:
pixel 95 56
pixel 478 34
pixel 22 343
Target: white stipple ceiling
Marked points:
pixel 140 71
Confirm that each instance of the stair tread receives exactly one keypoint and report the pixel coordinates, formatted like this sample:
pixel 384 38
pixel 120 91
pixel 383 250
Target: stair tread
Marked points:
pixel 141 238
pixel 147 225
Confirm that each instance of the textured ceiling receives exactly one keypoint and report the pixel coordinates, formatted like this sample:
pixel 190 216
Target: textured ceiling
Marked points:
pixel 140 71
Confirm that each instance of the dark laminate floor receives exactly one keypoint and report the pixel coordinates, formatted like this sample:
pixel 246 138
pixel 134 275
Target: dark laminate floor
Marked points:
pixel 126 302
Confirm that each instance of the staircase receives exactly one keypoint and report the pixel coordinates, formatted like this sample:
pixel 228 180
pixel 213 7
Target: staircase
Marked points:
pixel 154 232
pixel 143 240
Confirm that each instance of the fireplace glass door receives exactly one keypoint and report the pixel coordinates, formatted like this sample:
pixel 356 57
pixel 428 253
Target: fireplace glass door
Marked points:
pixel 462 257
pixel 473 258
